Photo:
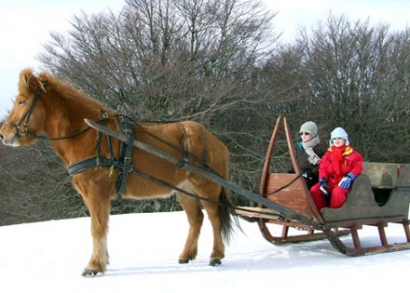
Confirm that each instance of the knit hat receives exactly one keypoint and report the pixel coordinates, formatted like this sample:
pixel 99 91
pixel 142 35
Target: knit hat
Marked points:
pixel 309 127
pixel 339 132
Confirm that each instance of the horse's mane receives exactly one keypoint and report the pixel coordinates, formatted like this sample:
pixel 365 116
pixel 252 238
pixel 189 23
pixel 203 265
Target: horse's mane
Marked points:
pixel 68 90
pixel 48 83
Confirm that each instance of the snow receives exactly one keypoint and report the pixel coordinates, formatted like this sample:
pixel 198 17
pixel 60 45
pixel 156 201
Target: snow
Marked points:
pixel 144 248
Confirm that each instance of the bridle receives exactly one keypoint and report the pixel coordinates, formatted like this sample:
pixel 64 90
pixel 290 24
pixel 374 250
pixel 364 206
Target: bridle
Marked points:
pixel 26 119
pixel 26 116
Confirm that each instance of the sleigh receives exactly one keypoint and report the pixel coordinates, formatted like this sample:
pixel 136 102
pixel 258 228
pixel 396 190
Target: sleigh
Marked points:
pixel 379 198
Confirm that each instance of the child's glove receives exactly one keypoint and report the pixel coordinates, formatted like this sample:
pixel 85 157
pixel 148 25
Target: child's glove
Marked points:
pixel 324 187
pixel 307 174
pixel 347 180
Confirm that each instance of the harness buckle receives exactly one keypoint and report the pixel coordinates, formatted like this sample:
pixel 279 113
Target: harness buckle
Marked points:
pixel 182 162
pixel 127 161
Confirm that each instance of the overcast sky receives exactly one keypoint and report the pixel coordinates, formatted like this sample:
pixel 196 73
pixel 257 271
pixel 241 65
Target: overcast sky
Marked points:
pixel 25 25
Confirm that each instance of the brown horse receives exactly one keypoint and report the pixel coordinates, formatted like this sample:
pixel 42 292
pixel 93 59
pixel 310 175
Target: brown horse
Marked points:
pixel 49 108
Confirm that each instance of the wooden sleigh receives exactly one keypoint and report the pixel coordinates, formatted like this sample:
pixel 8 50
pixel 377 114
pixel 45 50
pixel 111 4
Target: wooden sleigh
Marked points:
pixel 379 197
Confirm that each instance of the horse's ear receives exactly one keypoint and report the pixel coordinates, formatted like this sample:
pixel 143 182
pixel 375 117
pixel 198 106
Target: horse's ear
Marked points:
pixel 28 82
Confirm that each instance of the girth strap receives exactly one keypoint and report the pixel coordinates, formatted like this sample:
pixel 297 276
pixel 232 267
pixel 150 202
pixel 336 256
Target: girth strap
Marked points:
pixel 91 163
pixel 125 154
pixel 187 155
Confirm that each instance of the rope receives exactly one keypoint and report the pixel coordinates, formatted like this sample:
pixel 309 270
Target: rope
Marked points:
pixel 283 187
pixel 167 184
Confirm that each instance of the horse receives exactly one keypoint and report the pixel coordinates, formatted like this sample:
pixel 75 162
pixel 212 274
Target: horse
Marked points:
pixel 47 107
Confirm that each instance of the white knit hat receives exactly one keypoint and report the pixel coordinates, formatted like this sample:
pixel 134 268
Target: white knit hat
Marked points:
pixel 309 127
pixel 339 132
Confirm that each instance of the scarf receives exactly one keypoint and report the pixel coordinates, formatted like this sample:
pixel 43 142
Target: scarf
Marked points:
pixel 337 154
pixel 308 146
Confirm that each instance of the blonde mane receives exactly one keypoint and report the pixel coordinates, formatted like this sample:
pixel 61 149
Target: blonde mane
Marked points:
pixel 67 90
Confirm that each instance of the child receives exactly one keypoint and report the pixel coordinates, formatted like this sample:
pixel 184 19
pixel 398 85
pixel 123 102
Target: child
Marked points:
pixel 338 168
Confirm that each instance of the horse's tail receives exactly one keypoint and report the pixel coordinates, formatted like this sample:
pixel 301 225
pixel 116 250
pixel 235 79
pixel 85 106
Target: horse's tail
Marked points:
pixel 226 210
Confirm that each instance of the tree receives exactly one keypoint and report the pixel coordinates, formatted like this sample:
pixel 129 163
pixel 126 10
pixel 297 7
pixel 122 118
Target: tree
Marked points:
pixel 352 75
pixel 35 187
pixel 218 62
pixel 167 60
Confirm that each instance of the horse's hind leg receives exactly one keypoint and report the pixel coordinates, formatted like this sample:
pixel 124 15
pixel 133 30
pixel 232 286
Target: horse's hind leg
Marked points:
pixel 212 192
pixel 218 250
pixel 195 217
pixel 192 207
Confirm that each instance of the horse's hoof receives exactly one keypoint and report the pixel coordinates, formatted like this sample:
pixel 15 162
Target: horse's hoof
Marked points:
pixel 89 273
pixel 215 262
pixel 183 260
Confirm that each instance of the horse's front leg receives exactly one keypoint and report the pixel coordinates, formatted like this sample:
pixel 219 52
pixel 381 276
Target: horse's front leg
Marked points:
pixel 99 209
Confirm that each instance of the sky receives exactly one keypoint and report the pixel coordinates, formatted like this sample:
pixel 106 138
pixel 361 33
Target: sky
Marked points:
pixel 49 257
pixel 25 26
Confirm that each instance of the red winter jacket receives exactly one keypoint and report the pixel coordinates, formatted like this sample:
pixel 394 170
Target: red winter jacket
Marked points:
pixel 352 162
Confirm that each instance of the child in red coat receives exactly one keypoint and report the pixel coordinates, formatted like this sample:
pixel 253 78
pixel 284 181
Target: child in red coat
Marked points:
pixel 339 166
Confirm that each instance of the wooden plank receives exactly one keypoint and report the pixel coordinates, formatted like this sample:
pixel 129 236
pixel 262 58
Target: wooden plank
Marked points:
pixel 387 175
pixel 381 175
pixel 292 196
pixel 257 212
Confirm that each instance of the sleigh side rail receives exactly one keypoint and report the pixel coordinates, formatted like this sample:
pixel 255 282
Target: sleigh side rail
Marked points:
pixel 379 199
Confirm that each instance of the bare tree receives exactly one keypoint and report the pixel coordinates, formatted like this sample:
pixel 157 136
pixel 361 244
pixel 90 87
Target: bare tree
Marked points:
pixel 352 75
pixel 166 60
pixel 34 186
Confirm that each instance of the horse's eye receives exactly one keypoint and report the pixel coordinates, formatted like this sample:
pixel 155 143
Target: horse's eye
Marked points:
pixel 21 102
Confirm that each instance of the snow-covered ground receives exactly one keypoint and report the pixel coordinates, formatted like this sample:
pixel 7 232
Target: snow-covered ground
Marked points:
pixel 144 249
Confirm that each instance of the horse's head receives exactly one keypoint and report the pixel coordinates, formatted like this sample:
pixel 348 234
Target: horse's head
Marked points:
pixel 26 119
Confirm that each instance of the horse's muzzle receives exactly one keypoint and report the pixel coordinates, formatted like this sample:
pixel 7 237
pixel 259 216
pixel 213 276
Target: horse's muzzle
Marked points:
pixel 10 140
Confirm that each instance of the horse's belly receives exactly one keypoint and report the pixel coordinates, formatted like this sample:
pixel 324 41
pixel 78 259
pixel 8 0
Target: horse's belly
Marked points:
pixel 160 191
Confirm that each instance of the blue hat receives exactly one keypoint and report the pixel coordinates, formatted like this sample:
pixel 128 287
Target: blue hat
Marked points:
pixel 339 132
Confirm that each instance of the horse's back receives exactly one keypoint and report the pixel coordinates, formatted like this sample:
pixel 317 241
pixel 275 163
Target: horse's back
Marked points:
pixel 181 138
